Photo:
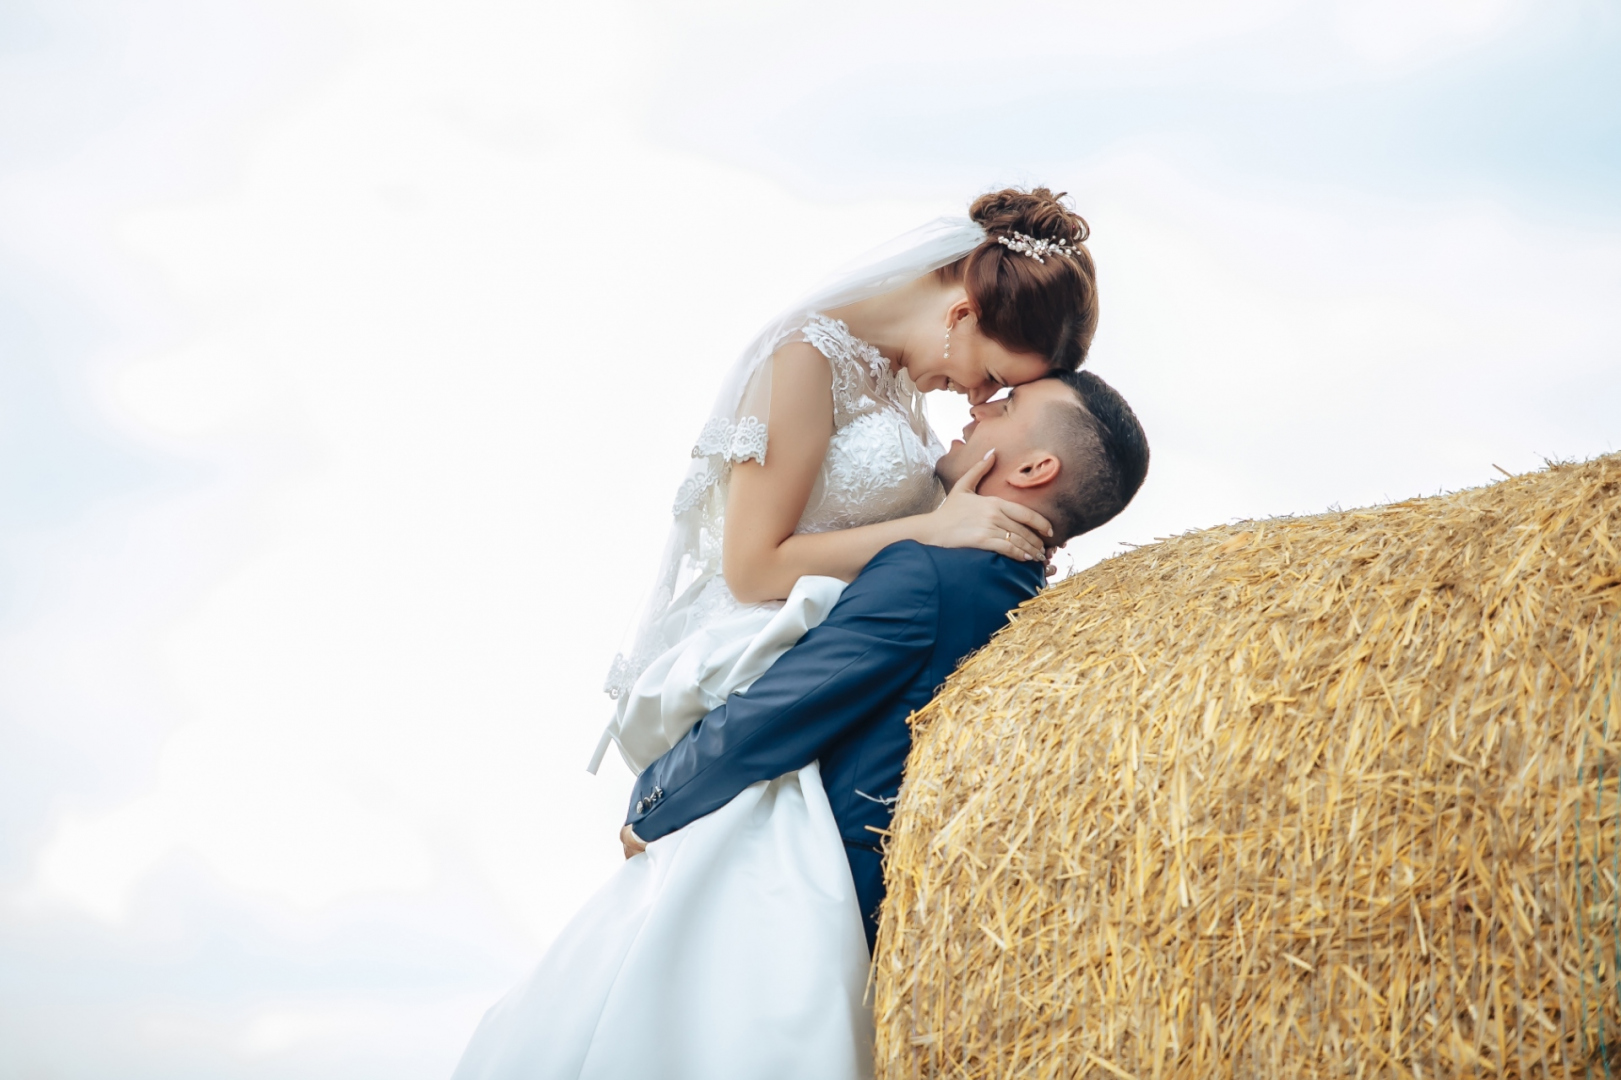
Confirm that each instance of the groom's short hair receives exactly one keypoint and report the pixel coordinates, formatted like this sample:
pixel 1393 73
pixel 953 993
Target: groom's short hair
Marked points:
pixel 1103 450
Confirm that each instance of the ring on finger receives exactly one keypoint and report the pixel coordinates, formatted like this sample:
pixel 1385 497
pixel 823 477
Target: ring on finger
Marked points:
pixel 1008 537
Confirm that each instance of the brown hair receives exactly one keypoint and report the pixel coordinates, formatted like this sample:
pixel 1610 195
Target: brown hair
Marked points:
pixel 1048 307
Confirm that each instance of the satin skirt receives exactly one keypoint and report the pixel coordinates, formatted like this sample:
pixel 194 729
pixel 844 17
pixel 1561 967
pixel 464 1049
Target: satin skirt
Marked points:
pixel 732 949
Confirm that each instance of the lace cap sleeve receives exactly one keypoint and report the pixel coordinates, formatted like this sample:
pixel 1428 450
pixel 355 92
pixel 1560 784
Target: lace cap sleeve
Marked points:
pixel 724 441
pixel 741 440
pixel 741 437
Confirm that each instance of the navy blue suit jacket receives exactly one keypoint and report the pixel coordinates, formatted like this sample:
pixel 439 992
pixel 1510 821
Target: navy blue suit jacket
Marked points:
pixel 842 696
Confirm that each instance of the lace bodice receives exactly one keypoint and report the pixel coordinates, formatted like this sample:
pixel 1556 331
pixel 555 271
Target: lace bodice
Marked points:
pixel 879 466
pixel 880 462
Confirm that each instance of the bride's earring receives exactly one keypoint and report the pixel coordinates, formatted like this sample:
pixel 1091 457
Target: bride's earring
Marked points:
pixel 948 342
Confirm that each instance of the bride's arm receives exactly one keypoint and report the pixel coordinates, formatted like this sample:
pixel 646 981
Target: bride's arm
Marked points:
pixel 762 558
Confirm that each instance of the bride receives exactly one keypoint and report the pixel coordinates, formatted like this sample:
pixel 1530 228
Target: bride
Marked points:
pixel 735 948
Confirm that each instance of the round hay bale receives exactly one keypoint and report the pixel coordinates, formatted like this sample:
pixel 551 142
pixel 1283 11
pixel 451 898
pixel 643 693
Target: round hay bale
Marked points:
pixel 1322 796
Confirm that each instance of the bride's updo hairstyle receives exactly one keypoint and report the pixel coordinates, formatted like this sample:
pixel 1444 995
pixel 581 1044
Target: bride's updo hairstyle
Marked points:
pixel 1047 306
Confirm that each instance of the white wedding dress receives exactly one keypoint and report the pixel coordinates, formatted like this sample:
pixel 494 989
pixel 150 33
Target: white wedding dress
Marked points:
pixel 733 949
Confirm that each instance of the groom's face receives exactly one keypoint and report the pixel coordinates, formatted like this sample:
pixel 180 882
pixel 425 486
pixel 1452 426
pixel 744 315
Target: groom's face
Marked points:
pixel 1011 425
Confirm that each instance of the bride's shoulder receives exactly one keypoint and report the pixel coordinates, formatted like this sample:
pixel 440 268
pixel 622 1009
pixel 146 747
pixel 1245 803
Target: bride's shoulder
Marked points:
pixel 813 353
pixel 855 369
pixel 801 363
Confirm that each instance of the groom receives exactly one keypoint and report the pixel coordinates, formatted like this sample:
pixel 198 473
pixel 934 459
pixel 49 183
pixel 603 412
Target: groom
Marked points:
pixel 1066 446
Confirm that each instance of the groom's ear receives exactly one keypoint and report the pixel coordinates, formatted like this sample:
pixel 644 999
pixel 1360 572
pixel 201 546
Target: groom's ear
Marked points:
pixel 1038 469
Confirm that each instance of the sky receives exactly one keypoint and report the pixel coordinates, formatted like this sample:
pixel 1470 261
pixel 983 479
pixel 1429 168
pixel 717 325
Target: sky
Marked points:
pixel 350 353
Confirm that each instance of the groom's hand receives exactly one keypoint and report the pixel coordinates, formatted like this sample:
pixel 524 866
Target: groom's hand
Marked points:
pixel 633 844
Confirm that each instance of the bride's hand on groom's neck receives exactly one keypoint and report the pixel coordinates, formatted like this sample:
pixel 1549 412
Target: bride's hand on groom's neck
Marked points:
pixel 970 520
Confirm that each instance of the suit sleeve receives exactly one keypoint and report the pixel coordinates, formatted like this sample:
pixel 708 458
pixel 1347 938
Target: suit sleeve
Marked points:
pixel 873 644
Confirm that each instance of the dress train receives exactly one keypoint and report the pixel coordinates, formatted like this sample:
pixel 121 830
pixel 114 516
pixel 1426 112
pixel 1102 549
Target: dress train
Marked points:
pixel 732 949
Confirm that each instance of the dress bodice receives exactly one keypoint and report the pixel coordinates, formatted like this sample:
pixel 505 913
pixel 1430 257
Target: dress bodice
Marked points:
pixel 880 462
pixel 879 466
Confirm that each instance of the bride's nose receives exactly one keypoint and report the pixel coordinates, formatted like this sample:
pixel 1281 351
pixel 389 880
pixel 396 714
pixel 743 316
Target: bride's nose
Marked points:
pixel 979 395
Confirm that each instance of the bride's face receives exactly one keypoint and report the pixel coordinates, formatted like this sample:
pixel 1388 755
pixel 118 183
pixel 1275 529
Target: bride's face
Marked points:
pixel 976 365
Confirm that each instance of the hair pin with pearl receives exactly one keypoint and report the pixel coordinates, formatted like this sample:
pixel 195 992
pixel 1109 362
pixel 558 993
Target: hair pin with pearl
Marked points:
pixel 1029 245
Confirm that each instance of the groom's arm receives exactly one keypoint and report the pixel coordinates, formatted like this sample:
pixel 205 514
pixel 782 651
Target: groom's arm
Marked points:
pixel 873 644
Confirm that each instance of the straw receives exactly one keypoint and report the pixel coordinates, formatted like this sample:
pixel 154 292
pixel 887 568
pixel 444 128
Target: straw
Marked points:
pixel 1322 796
